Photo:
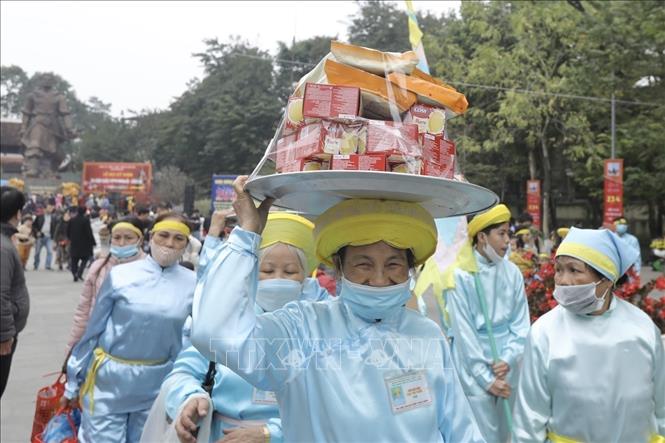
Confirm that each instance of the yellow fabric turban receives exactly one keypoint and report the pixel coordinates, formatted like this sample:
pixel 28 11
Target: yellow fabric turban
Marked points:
pixel 562 232
pixel 360 222
pixel 498 214
pixel 292 230
pixel 523 231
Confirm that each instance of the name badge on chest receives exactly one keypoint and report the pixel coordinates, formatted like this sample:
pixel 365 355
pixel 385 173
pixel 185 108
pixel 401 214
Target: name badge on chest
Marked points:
pixel 260 397
pixel 408 391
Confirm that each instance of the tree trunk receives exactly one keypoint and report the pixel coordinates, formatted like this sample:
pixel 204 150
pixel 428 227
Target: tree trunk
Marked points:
pixel 547 179
pixel 656 212
pixel 532 164
pixel 652 210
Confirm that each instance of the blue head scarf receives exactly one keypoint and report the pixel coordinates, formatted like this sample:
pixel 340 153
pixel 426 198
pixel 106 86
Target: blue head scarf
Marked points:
pixel 601 249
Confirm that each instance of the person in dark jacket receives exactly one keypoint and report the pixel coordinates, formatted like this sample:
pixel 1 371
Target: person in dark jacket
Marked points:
pixel 81 242
pixel 43 229
pixel 14 298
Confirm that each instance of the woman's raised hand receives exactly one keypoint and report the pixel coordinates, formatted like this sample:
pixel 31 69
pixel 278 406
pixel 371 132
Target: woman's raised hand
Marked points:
pixel 250 218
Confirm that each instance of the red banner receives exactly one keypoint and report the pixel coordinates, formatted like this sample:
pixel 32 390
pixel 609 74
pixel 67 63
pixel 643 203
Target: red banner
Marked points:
pixel 533 201
pixel 613 190
pixel 125 178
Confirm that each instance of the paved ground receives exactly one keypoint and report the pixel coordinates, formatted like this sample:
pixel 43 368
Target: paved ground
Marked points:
pixel 40 349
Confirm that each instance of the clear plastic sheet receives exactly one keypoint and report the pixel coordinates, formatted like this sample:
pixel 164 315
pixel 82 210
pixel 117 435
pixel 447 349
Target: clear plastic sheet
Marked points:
pixel 367 124
pixel 347 115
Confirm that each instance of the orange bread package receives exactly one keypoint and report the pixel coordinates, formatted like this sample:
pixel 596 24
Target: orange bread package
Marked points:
pixel 377 93
pixel 430 92
pixel 371 60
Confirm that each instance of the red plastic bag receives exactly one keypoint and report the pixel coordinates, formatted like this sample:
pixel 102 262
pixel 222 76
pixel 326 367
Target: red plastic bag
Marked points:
pixel 62 427
pixel 48 402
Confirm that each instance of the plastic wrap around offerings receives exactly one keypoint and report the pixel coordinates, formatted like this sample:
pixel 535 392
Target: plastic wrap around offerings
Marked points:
pixel 360 120
pixel 361 109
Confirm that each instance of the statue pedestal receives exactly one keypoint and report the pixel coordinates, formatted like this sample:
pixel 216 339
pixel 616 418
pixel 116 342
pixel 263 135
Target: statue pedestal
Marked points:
pixel 48 186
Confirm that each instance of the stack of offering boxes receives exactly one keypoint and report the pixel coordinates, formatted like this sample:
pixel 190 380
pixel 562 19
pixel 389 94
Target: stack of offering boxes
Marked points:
pixel 366 122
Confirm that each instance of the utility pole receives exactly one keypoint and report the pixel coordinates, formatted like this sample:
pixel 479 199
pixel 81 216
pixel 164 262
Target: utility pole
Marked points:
pixel 614 129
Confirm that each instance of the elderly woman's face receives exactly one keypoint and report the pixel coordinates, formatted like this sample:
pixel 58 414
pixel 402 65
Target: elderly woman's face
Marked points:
pixel 170 238
pixel 378 265
pixel 281 262
pixel 571 271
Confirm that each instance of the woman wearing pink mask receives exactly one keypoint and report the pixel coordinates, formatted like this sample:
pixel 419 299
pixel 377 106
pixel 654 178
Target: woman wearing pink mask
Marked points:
pixel 593 368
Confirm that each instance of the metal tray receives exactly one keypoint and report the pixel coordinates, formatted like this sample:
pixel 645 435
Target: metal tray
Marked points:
pixel 312 192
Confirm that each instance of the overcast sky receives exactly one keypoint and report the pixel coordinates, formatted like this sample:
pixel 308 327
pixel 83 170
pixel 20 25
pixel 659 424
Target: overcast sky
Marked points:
pixel 137 55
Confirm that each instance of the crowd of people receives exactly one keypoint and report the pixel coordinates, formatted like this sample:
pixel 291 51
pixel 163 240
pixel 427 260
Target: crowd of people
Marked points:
pixel 236 339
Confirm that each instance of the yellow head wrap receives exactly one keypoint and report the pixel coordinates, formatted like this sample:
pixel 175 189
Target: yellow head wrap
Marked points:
pixel 562 232
pixel 523 231
pixel 127 225
pixel 360 222
pixel 172 225
pixel 292 230
pixel 498 214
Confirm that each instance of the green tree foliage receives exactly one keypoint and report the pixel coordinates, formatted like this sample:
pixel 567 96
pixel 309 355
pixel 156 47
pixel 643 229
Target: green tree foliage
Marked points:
pixel 13 80
pixel 295 60
pixel 520 64
pixel 224 123
pixel 382 25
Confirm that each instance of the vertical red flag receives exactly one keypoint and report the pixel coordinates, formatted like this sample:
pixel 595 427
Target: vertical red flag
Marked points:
pixel 533 201
pixel 613 190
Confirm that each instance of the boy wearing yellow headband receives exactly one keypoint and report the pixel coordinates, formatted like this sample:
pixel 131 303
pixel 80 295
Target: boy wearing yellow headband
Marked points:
pixel 594 366
pixel 487 288
pixel 361 367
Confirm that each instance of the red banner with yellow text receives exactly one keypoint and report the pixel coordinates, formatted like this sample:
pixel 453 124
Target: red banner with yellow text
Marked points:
pixel 534 201
pixel 613 190
pixel 124 178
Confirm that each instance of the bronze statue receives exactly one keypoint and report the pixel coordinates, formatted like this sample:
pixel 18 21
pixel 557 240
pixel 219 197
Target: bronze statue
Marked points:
pixel 46 125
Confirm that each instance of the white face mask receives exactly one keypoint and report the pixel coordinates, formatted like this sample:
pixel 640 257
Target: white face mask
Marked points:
pixel 274 293
pixel 580 299
pixel 491 254
pixel 165 256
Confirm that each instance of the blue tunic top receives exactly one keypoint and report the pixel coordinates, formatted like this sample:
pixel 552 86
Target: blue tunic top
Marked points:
pixel 232 396
pixel 592 378
pixel 139 316
pixel 503 285
pixel 336 376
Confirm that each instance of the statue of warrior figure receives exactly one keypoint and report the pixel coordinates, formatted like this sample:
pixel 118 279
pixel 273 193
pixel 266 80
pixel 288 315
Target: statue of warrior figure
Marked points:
pixel 46 125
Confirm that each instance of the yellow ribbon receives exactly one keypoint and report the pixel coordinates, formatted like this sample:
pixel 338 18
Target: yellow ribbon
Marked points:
pixel 127 225
pixel 172 225
pixel 555 438
pixel 100 357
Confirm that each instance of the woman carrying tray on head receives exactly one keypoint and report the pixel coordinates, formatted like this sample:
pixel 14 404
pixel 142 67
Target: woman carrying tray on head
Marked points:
pixel 361 367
